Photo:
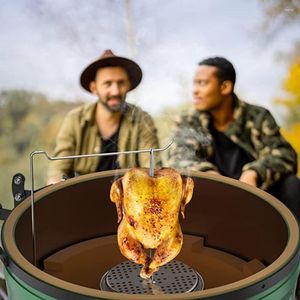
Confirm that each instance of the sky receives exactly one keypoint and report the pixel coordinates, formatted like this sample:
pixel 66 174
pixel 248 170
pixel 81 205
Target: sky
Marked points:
pixel 45 45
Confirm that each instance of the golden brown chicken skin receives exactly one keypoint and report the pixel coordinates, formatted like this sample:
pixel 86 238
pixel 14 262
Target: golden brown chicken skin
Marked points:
pixel 148 210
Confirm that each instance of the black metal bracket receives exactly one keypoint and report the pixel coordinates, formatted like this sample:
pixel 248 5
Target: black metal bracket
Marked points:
pixel 19 194
pixel 18 190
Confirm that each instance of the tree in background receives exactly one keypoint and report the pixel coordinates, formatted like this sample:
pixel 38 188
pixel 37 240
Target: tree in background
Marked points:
pixel 280 15
pixel 292 105
pixel 28 121
pixel 291 102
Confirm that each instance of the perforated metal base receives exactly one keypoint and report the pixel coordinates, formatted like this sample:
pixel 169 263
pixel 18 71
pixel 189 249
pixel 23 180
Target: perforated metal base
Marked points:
pixel 174 277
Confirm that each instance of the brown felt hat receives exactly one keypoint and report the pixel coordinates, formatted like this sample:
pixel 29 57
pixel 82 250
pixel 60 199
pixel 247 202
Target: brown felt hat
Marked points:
pixel 108 59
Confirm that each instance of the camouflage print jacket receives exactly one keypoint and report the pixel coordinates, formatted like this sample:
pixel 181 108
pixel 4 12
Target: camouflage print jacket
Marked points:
pixel 253 129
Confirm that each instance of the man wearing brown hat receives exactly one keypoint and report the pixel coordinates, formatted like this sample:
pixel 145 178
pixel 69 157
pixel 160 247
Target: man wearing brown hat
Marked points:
pixel 108 125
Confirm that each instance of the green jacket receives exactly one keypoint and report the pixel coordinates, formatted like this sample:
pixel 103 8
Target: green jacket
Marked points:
pixel 79 135
pixel 253 129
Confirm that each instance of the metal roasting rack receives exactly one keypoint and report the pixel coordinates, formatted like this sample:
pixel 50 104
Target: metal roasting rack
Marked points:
pixel 34 153
pixel 172 278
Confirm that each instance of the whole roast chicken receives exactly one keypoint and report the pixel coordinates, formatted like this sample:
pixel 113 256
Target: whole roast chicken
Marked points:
pixel 148 210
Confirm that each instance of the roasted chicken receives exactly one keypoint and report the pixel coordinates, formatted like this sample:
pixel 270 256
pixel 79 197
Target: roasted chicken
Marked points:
pixel 148 210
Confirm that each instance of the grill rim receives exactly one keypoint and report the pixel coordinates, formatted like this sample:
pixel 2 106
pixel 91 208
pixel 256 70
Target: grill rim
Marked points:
pixel 53 286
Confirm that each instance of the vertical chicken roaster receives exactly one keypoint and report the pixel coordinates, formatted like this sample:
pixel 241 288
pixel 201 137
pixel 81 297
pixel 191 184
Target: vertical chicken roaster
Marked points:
pixel 148 210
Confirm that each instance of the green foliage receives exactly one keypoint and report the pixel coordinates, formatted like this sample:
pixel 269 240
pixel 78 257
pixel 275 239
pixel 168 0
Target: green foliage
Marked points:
pixel 28 122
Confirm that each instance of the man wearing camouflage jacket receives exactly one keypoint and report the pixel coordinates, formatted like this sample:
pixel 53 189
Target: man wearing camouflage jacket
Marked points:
pixel 227 136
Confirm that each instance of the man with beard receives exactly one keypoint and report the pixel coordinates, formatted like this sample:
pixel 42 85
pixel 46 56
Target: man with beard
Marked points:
pixel 108 125
pixel 227 136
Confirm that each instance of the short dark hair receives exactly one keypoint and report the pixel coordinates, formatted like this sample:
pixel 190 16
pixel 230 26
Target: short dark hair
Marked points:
pixel 225 68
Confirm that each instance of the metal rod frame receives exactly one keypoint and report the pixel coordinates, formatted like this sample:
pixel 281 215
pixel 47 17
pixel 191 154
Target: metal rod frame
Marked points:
pixel 34 153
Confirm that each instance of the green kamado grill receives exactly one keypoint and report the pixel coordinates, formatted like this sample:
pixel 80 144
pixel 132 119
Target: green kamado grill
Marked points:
pixel 239 243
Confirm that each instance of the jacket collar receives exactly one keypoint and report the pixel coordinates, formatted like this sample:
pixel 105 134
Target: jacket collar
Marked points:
pixel 238 110
pixel 89 112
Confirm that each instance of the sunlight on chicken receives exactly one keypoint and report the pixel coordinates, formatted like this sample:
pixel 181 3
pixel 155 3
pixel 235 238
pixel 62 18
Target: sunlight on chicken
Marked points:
pixel 148 211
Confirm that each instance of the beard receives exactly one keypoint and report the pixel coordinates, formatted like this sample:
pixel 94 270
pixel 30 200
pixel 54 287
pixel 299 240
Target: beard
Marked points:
pixel 119 107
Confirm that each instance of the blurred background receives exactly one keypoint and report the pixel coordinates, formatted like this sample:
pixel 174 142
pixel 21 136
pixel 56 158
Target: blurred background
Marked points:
pixel 45 45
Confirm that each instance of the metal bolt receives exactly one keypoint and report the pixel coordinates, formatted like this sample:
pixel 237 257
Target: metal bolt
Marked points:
pixel 18 197
pixel 18 179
